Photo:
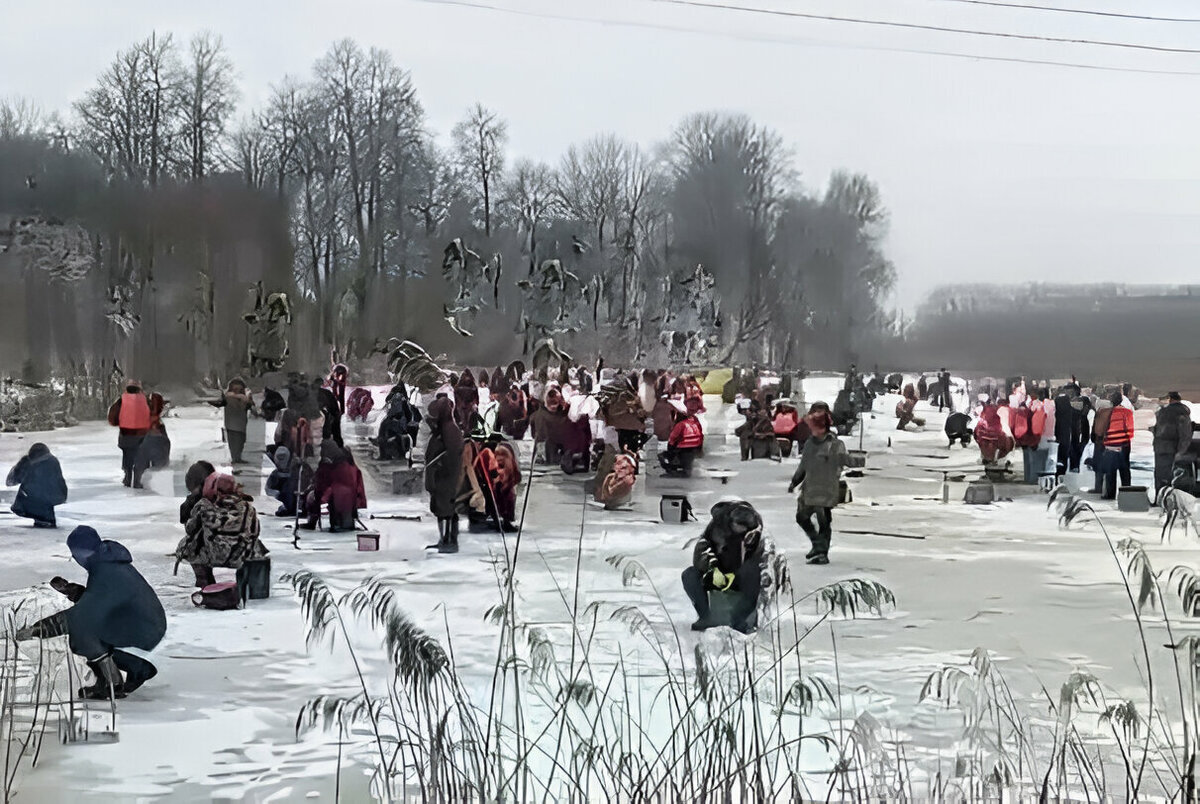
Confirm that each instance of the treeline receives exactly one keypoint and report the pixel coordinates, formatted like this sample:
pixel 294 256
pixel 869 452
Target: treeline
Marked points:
pixel 142 218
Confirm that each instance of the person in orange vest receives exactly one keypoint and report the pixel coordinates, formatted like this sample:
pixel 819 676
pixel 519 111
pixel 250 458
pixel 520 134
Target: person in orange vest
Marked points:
pixel 131 413
pixel 687 437
pixel 1114 442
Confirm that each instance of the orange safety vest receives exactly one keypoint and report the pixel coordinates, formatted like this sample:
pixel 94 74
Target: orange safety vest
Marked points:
pixel 135 412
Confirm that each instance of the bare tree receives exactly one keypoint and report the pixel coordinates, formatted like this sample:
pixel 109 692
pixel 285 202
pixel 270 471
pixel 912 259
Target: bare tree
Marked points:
pixel 208 96
pixel 479 142
pixel 531 193
pixel 20 117
pixel 131 117
pixel 590 182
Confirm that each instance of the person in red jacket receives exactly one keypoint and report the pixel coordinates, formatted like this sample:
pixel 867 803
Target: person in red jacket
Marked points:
pixel 131 413
pixel 1117 438
pixel 687 437
pixel 337 483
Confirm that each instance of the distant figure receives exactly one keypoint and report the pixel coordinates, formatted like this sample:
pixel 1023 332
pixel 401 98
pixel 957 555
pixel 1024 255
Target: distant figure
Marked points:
pixel 684 444
pixel 958 428
pixel 116 609
pixel 272 404
pixel 905 409
pixel 131 414
pixel 444 471
pixel 1172 437
pixel 819 476
pixel 1113 448
pixel 398 430
pixel 616 476
pixel 238 404
pixel 155 451
pixel 41 486
pixel 944 399
pixel 338 484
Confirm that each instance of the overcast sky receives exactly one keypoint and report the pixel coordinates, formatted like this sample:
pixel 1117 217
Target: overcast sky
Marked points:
pixel 993 171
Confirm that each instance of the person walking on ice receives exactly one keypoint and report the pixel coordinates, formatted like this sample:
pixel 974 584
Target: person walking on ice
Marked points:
pixel 818 477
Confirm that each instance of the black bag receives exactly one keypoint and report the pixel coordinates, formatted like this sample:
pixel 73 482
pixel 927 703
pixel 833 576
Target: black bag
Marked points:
pixel 254 579
pixel 675 508
pixel 217 596
pixel 844 493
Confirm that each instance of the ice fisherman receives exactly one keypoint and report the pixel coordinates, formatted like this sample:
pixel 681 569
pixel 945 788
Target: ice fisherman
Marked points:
pixel 818 476
pixel 728 558
pixel 41 486
pixel 115 610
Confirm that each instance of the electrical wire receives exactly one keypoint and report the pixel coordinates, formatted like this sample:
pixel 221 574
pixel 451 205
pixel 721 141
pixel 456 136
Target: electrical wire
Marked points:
pixel 477 4
pixel 915 26
pixel 1086 11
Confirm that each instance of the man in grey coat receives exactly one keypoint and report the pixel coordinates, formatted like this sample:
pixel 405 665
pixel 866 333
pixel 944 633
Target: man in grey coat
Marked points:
pixel 818 476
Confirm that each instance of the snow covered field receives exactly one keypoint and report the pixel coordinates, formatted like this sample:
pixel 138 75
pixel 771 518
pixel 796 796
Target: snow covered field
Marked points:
pixel 218 722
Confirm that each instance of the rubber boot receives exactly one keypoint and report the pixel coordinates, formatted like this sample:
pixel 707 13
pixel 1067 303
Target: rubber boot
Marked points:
pixel 136 669
pixel 204 575
pixel 451 543
pixel 128 481
pixel 443 528
pixel 109 683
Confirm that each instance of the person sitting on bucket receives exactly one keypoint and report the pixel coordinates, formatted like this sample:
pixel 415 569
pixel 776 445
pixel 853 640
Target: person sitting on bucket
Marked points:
pixel 116 609
pixel 729 558
pixel 685 442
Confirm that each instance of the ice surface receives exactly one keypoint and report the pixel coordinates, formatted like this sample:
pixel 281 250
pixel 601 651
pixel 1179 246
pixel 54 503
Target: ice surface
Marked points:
pixel 217 723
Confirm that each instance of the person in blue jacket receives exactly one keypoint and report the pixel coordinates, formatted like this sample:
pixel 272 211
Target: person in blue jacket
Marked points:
pixel 41 486
pixel 116 609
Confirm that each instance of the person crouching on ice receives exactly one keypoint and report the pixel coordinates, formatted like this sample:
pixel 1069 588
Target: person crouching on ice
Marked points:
pixel 728 558
pixel 116 609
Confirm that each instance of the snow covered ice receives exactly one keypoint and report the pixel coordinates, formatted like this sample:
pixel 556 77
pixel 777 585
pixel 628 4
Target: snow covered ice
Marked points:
pixel 218 723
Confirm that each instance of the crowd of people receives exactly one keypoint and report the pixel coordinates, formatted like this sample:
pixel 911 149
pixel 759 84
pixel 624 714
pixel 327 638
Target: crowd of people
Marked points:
pixel 474 428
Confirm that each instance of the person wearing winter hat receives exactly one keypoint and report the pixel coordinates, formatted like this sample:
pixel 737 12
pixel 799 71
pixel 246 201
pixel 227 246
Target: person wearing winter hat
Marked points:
pixel 116 609
pixel 238 403
pixel 684 443
pixel 131 414
pixel 821 463
pixel 42 487
pixel 444 470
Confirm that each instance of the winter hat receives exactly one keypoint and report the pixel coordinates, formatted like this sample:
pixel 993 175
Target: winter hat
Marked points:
pixel 235 381
pixel 39 449
pixel 331 452
pixel 83 543
pixel 197 473
pixel 1174 396
pixel 283 458
pixel 133 386
pixel 217 485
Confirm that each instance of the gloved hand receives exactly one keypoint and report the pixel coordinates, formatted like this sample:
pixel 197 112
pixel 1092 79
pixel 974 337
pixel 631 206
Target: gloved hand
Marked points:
pixel 25 633
pixel 721 581
pixel 791 488
pixel 60 584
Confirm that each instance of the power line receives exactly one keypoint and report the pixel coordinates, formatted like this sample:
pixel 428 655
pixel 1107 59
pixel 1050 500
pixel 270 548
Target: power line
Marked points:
pixel 914 26
pixel 1086 11
pixel 480 5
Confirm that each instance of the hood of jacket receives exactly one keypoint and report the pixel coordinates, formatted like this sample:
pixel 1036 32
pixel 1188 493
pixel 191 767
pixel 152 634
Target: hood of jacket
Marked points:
pixel 88 549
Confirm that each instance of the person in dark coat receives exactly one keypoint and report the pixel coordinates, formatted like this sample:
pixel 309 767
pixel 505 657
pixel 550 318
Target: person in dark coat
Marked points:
pixel 330 409
pixel 272 404
pixel 444 470
pixel 116 609
pixel 197 473
pixel 1172 438
pixel 944 399
pixel 40 478
pixel 155 451
pixel 729 557
pixel 287 480
pixel 337 384
pixel 131 414
pixel 958 428
pixel 338 483
pixel 398 430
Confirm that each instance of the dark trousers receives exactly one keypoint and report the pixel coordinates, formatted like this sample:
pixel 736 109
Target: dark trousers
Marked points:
pixel 631 440
pixel 676 461
pixel 1164 470
pixel 130 446
pixel 1126 477
pixel 237 443
pixel 822 533
pixel 29 508
pixel 1113 463
pixel 746 584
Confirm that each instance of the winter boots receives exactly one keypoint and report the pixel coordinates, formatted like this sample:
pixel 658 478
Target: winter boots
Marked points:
pixel 204 576
pixel 109 683
pixel 447 536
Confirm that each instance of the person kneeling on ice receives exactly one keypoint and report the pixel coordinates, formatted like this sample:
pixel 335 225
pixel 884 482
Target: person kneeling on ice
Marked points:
pixel 287 480
pixel 686 441
pixel 222 530
pixel 994 443
pixel 444 471
pixel 41 486
pixel 958 428
pixel 616 476
pixel 729 558
pixel 338 484
pixel 116 609
pixel 905 409
pixel 818 476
